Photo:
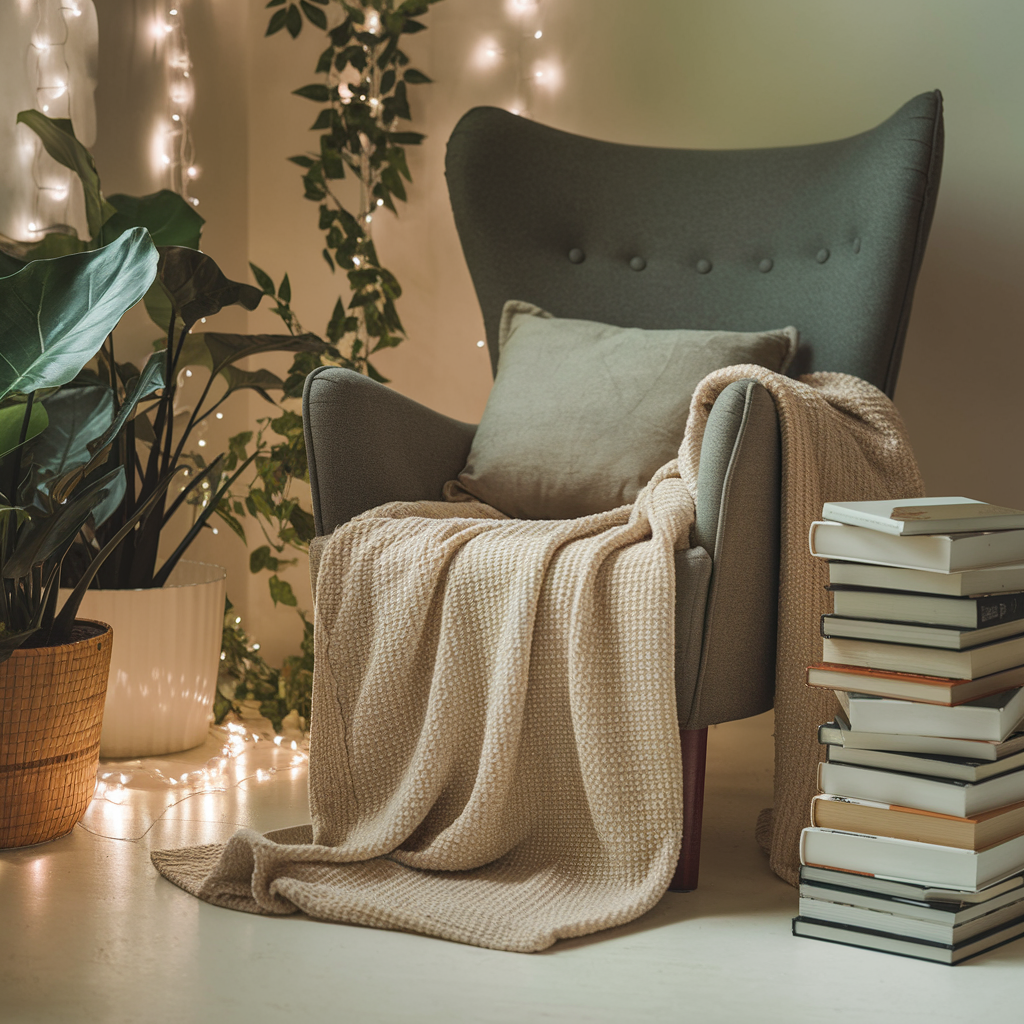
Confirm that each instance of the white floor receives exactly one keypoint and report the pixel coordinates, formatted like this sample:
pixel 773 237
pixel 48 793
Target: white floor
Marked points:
pixel 90 932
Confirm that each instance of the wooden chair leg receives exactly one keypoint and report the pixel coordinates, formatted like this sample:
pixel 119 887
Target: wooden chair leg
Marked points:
pixel 695 750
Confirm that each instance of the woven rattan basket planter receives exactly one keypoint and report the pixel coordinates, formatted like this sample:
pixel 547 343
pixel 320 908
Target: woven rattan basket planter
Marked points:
pixel 51 714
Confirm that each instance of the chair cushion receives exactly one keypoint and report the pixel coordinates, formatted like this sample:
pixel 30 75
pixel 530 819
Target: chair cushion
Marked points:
pixel 581 414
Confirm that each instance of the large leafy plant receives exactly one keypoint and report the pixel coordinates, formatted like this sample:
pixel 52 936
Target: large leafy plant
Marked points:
pixel 55 426
pixel 153 439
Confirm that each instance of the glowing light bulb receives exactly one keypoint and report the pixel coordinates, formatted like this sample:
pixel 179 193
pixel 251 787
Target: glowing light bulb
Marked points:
pixel 202 444
pixel 195 202
pixel 538 34
pixel 215 531
pixel 32 226
pixel 173 11
pixel 188 373
pixel 538 74
pixel 356 261
pixel 168 28
pixel 369 218
pixel 294 745
pixel 60 193
pixel 46 108
pixel 255 647
pixel 380 202
pixel 220 415
pixel 202 319
pixel 61 89
pixel 193 172
pixel 238 620
pixel 479 344
pixel 223 656
pixel 175 117
pixel 165 158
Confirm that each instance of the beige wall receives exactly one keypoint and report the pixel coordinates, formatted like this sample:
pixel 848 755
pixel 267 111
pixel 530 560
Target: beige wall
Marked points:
pixel 728 73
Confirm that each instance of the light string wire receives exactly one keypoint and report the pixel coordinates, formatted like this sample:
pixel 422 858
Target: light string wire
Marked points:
pixel 49 52
pixel 177 149
pixel 112 785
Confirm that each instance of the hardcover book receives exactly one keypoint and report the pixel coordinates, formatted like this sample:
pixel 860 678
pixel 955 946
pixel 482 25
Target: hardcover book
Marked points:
pixel 911 687
pixel 951 638
pixel 908 516
pixel 918 949
pixel 899 606
pixel 983 660
pixel 916 892
pixel 879 819
pixel 989 753
pixel 942 552
pixel 990 718
pixel 921 792
pixel 901 860
pixel 993 580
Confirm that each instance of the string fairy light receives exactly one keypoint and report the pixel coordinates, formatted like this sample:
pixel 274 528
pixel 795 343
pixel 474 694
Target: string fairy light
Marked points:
pixel 174 149
pixel 114 785
pixel 48 56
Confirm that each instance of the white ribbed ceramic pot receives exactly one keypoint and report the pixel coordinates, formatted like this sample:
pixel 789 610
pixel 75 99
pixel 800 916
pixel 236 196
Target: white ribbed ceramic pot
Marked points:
pixel 163 667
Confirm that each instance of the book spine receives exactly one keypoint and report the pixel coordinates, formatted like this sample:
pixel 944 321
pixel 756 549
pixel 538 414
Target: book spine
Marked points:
pixel 996 608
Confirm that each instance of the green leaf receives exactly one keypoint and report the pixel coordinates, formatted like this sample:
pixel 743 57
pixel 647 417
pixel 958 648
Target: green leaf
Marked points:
pixel 215 351
pixel 78 416
pixel 160 309
pixel 387 80
pixel 55 314
pixel 318 92
pixel 44 537
pixel 230 520
pixel 406 138
pixel 314 14
pixel 374 374
pixel 259 381
pixel 281 592
pixel 277 20
pixel 12 417
pixel 275 3
pixel 302 161
pixel 197 287
pixel 293 21
pixel 284 293
pixel 169 219
pixel 264 280
pixel 305 525
pixel 58 138
pixel 410 27
pixel 414 77
pixel 261 558
pixel 151 379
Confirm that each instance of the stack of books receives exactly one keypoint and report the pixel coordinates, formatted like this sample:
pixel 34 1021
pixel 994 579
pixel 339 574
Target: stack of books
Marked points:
pixel 916 844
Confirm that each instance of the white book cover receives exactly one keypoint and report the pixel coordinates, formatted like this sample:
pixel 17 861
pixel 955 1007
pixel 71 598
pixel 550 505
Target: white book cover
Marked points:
pixel 901 860
pixel 908 516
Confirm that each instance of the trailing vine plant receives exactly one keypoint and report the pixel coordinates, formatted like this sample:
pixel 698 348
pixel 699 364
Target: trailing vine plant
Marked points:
pixel 363 98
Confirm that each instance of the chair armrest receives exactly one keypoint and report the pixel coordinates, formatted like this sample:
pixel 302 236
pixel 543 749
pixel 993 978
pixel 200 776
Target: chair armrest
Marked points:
pixel 367 445
pixel 738 523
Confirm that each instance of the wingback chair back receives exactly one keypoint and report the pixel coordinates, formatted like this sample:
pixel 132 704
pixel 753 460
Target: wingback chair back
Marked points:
pixel 826 237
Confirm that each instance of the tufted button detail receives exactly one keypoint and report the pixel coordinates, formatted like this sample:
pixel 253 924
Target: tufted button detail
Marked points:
pixel 703 266
pixel 823 255
pixel 856 245
pixel 576 256
pixel 765 265
pixel 638 263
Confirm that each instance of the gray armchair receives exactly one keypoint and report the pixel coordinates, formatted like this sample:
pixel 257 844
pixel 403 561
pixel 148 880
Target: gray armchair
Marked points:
pixel 827 237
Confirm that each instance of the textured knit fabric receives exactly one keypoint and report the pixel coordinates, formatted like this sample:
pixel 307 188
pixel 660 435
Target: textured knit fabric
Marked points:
pixel 495 756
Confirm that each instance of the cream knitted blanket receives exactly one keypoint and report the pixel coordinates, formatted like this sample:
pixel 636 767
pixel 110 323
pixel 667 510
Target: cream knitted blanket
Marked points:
pixel 495 756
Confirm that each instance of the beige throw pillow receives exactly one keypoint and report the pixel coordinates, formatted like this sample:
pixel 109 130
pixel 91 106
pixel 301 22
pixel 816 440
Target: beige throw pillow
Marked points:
pixel 582 414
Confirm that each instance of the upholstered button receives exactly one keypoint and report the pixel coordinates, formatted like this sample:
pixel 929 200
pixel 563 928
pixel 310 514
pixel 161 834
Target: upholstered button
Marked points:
pixel 703 266
pixel 856 245
pixel 638 263
pixel 765 265
pixel 822 255
pixel 576 256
